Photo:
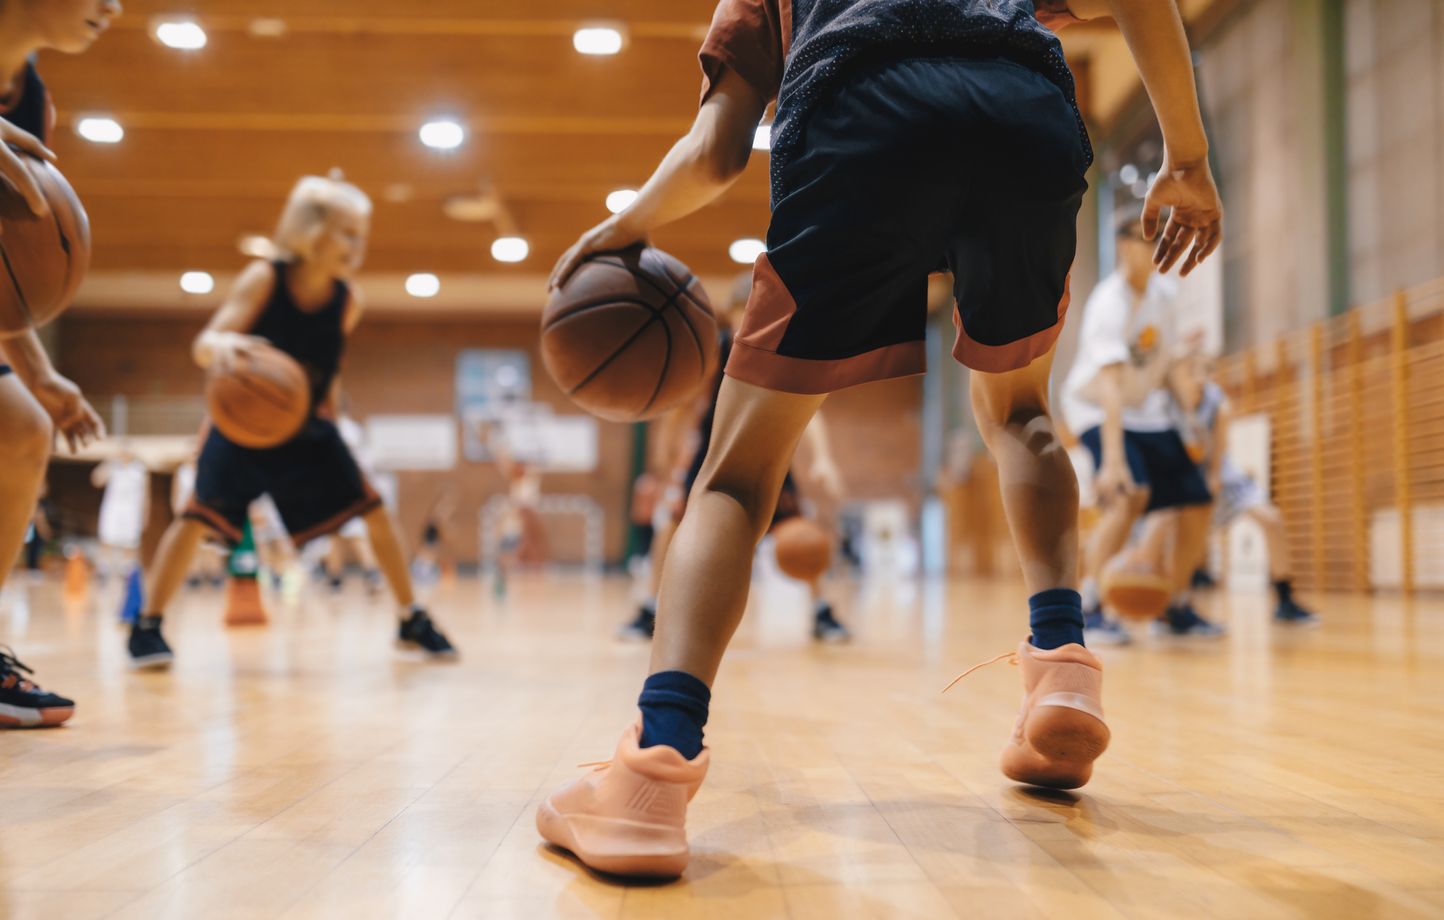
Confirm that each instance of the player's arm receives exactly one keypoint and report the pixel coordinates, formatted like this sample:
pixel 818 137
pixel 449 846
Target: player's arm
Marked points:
pixel 698 169
pixel 60 398
pixel 1220 445
pixel 1154 32
pixel 226 336
pixel 1114 477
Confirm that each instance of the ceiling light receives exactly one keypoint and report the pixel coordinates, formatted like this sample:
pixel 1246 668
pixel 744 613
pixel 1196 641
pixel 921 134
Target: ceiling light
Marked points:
pixel 197 283
pixel 510 249
pixel 621 199
pixel 423 285
pixel 442 134
pixel 762 139
pixel 100 130
pixel 597 40
pixel 745 252
pixel 183 35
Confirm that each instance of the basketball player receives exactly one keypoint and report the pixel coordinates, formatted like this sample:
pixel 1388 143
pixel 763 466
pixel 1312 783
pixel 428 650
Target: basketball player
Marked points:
pixel 303 304
pixel 935 130
pixel 1117 397
pixel 35 401
pixel 696 433
pixel 209 565
pixel 124 481
pixel 1237 494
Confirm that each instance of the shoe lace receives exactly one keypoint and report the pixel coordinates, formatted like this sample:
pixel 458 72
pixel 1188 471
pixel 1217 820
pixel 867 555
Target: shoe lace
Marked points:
pixel 1010 657
pixel 9 664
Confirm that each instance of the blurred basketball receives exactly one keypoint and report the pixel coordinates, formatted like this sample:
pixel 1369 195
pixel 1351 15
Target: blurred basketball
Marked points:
pixel 804 549
pixel 1133 585
pixel 44 259
pixel 630 335
pixel 262 401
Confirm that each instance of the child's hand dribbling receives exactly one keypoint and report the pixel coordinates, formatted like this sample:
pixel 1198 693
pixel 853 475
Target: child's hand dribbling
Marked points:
pixel 15 169
pixel 74 418
pixel 607 236
pixel 228 348
pixel 1195 216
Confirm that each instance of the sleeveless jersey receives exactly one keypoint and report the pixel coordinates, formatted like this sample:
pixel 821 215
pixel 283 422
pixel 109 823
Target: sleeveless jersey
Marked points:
pixel 315 338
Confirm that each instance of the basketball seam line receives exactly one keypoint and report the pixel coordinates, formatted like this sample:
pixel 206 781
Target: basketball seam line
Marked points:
pixel 593 305
pixel 606 362
pixel 24 303
pixel 680 289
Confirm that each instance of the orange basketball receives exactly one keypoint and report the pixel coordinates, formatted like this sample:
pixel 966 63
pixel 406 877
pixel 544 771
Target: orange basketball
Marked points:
pixel 630 335
pixel 43 259
pixel 261 402
pixel 1133 585
pixel 804 549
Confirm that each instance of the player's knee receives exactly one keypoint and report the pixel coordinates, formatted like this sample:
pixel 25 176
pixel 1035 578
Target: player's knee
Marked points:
pixel 29 432
pixel 748 492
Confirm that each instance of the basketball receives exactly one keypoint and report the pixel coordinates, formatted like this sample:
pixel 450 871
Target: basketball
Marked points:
pixel 630 335
pixel 804 549
pixel 1132 585
pixel 44 258
pixel 262 402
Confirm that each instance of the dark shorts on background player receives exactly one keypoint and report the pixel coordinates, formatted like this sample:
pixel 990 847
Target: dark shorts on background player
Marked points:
pixel 313 479
pixel 910 167
pixel 4 369
pixel 1160 461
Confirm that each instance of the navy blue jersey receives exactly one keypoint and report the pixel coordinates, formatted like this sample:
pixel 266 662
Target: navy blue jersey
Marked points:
pixel 315 338
pixel 28 105
pixel 798 50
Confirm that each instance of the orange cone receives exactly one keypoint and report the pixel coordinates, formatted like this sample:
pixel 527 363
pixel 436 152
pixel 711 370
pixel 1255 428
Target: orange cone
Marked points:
pixel 77 573
pixel 243 602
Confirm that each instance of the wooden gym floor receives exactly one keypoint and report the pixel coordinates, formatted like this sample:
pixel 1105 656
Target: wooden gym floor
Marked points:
pixel 304 770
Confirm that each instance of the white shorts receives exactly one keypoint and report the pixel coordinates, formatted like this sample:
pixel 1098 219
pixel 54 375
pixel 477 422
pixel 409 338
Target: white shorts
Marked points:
pixel 1238 494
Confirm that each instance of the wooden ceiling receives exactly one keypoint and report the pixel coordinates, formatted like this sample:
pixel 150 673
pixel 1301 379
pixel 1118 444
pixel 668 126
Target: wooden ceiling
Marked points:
pixel 215 138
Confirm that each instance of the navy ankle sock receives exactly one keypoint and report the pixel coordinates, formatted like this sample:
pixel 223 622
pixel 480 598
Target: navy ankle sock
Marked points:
pixel 1285 589
pixel 1056 617
pixel 674 710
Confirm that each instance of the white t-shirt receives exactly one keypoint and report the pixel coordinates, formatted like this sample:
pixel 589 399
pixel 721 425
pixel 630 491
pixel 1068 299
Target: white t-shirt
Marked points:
pixel 1120 327
pixel 122 504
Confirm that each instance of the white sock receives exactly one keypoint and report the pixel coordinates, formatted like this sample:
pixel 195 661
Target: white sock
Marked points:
pixel 1090 594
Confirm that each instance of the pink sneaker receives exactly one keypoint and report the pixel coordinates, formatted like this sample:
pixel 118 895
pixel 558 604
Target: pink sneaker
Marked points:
pixel 627 816
pixel 1060 731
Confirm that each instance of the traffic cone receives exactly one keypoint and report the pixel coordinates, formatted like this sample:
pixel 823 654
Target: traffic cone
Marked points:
pixel 77 574
pixel 243 591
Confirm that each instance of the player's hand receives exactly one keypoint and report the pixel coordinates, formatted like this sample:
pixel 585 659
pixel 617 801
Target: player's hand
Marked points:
pixel 607 236
pixel 1114 481
pixel 228 349
pixel 1195 217
pixel 14 168
pixel 74 418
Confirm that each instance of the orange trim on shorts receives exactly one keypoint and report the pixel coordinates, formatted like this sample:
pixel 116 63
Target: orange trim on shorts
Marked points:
pixel 213 519
pixel 1000 359
pixel 770 307
pixel 814 377
pixel 366 505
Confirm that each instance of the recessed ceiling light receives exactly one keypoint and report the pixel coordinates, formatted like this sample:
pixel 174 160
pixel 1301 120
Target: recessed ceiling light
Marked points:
pixel 197 282
pixel 598 40
pixel 762 139
pixel 621 199
pixel 182 34
pixel 267 28
pixel 423 285
pixel 510 249
pixel 442 134
pixel 100 130
pixel 745 252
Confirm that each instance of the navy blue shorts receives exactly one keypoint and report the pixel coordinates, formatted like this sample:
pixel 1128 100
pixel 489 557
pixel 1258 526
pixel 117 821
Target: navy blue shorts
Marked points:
pixel 909 168
pixel 1158 460
pixel 4 369
pixel 312 478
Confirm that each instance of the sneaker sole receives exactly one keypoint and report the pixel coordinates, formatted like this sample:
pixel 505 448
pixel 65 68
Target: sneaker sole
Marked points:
pixel 408 646
pixel 1063 743
pixel 152 662
pixel 27 717
pixel 666 862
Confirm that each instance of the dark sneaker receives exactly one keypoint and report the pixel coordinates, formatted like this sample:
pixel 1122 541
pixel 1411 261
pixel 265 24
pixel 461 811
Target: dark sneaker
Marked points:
pixel 22 703
pixel 1203 579
pixel 1100 630
pixel 1291 614
pixel 826 628
pixel 641 628
pixel 420 633
pixel 148 648
pixel 1185 623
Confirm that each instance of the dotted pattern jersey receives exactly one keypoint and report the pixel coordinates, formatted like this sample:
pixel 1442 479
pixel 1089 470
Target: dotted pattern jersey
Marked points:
pixel 831 38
